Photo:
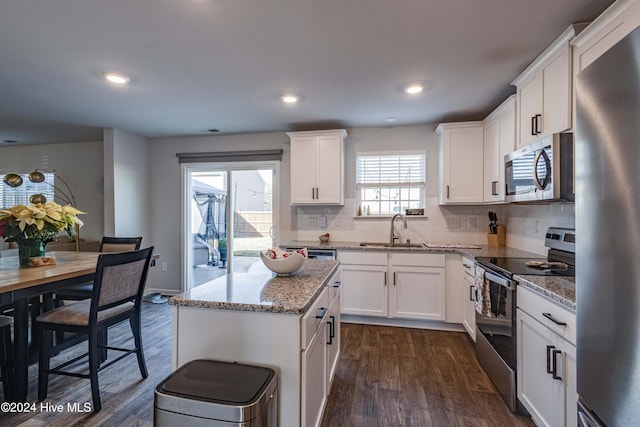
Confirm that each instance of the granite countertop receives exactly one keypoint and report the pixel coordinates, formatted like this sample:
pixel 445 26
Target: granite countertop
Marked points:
pixel 463 249
pixel 559 289
pixel 261 290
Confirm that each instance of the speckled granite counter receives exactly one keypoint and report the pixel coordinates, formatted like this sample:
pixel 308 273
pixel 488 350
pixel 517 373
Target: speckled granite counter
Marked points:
pixel 559 289
pixel 480 251
pixel 262 290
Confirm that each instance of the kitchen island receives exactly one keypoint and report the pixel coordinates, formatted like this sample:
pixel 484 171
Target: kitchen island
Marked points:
pixel 290 324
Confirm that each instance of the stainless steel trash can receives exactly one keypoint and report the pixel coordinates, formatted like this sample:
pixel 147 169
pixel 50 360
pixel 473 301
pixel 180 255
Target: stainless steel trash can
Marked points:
pixel 212 393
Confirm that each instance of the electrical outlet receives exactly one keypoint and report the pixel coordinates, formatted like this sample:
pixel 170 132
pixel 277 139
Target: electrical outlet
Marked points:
pixel 312 221
pixel 164 266
pixel 453 222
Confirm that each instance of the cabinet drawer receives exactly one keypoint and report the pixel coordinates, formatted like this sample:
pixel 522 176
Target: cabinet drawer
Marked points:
pixel 469 267
pixel 363 258
pixel 543 310
pixel 333 287
pixel 313 318
pixel 417 260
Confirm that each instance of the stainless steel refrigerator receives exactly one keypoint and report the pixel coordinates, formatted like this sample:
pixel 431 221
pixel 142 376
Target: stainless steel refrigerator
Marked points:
pixel 608 237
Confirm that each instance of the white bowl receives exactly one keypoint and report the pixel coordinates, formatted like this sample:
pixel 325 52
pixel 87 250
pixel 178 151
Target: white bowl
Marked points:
pixel 283 266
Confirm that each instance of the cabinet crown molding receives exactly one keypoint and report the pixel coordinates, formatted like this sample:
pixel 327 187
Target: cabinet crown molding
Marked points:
pixel 562 39
pixel 604 19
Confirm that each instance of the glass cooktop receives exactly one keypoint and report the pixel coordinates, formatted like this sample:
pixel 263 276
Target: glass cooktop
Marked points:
pixel 526 266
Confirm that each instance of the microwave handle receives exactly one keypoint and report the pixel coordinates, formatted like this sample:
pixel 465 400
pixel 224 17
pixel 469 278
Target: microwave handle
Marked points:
pixel 542 185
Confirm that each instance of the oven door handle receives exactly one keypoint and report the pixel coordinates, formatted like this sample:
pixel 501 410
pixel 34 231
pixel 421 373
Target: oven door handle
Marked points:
pixel 502 281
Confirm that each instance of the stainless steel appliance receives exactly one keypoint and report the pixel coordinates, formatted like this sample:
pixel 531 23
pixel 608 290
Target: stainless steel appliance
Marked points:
pixel 608 275
pixel 316 253
pixel 496 331
pixel 541 171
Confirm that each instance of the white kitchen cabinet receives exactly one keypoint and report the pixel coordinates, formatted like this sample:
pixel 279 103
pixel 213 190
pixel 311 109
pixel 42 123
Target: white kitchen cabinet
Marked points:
pixel 620 19
pixel 317 167
pixel 546 361
pixel 544 91
pixel 333 343
pixel 460 162
pixel 314 374
pixel 499 140
pixel 394 285
pixel 469 297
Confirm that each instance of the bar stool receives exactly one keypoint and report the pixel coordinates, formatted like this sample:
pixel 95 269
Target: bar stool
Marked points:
pixel 6 356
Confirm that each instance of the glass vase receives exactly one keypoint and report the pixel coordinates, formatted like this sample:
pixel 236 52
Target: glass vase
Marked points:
pixel 30 248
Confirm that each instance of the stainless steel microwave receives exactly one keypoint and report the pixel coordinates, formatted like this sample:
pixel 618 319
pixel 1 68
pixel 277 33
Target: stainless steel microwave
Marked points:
pixel 541 171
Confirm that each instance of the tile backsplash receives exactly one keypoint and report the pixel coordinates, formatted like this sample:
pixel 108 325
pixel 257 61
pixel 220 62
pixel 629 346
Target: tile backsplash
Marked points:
pixel 525 224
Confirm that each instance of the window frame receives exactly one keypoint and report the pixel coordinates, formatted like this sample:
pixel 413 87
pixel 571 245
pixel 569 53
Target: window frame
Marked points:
pixel 420 185
pixel 20 195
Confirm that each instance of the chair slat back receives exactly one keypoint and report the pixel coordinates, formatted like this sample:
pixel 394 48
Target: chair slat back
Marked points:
pixel 120 244
pixel 120 277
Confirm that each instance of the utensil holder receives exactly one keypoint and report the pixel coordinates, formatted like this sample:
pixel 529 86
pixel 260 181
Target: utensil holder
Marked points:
pixel 498 239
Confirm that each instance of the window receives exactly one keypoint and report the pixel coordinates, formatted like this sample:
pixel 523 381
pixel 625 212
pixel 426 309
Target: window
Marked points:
pixel 11 196
pixel 387 184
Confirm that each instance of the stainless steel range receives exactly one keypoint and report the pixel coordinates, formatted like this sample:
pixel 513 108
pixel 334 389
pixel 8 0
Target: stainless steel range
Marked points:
pixel 496 323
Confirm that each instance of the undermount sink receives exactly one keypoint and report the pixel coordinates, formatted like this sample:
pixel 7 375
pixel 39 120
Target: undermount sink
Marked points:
pixel 389 245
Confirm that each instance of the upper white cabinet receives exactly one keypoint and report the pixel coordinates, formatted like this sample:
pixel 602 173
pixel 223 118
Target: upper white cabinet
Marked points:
pixel 317 167
pixel 499 140
pixel 544 91
pixel 461 162
pixel 610 27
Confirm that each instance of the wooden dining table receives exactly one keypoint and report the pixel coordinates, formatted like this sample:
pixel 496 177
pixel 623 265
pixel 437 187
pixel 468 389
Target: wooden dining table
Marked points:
pixel 19 284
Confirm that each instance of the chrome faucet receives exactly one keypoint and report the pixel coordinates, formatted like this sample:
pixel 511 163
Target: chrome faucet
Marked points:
pixel 392 235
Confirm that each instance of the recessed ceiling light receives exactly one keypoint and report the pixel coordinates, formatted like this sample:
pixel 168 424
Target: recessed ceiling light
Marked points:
pixel 289 99
pixel 390 119
pixel 116 78
pixel 414 88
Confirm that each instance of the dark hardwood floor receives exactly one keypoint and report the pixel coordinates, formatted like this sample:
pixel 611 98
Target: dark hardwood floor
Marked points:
pixel 385 377
pixel 412 377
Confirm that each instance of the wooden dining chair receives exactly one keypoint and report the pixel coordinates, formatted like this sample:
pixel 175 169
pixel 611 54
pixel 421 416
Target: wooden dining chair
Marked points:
pixel 6 357
pixel 84 290
pixel 117 295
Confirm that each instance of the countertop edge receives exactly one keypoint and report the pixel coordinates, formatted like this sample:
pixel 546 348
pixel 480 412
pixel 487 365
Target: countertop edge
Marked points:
pixel 527 281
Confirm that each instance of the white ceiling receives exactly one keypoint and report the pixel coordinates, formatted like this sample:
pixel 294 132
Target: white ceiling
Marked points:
pixel 201 64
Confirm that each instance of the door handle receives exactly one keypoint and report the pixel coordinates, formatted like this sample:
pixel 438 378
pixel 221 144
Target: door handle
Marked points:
pixel 494 188
pixel 538 119
pixel 323 311
pixel 385 278
pixel 394 278
pixel 313 193
pixel 471 288
pixel 331 329
pixel 447 191
pixel 533 125
pixel 557 322
pixel 549 348
pixel 554 374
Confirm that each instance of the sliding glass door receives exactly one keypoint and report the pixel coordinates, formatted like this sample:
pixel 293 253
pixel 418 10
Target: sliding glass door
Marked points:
pixel 230 218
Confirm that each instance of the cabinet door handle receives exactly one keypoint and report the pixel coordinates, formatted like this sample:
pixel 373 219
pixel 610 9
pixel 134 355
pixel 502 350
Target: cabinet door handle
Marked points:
pixel 538 119
pixel 549 348
pixel 337 284
pixel 557 322
pixel 331 329
pixel 394 278
pixel 323 311
pixel 317 193
pixel 471 289
pixel 533 125
pixel 554 374
pixel 447 191
pixel 494 188
pixel 313 193
pixel 385 278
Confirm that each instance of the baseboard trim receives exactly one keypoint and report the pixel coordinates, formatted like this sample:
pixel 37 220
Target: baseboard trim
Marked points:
pixel 404 323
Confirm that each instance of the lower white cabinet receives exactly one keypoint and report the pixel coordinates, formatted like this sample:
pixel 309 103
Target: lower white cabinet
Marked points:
pixel 546 365
pixel 319 356
pixel 469 297
pixel 394 285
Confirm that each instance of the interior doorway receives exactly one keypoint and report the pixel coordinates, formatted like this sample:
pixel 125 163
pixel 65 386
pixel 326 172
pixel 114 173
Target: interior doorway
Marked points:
pixel 231 218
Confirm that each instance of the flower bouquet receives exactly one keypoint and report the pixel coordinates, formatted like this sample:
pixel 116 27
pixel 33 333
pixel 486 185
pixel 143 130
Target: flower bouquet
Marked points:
pixel 33 226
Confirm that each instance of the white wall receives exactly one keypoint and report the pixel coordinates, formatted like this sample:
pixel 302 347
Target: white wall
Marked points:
pixel 79 164
pixel 126 202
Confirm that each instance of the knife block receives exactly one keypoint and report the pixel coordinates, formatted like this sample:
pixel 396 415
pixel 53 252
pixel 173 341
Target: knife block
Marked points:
pixel 498 239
